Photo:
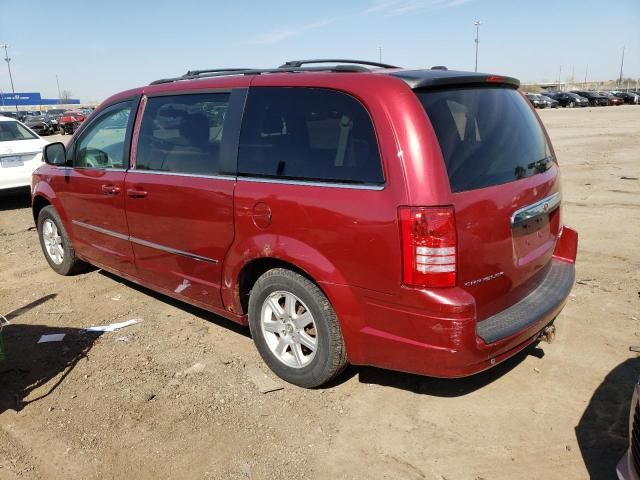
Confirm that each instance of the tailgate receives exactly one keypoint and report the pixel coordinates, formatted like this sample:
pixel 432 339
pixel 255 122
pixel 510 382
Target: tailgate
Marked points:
pixel 505 185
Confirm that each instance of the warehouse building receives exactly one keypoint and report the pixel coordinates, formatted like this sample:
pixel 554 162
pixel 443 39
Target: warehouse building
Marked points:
pixel 32 101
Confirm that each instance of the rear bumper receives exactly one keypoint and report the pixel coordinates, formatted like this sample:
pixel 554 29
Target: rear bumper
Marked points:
pixel 443 339
pixel 552 292
pixel 17 177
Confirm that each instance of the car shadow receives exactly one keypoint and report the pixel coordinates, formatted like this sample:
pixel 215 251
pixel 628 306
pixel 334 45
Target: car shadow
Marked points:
pixel 603 430
pixel 185 307
pixel 438 387
pixel 16 199
pixel 26 365
pixel 29 366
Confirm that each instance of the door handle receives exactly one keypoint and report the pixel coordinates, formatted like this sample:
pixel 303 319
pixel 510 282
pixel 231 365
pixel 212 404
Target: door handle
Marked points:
pixel 135 193
pixel 110 189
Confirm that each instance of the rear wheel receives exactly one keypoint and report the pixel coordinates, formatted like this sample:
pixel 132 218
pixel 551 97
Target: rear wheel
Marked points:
pixel 295 329
pixel 56 245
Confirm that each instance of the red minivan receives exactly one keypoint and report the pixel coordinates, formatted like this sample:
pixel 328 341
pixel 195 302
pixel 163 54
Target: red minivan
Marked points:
pixel 346 211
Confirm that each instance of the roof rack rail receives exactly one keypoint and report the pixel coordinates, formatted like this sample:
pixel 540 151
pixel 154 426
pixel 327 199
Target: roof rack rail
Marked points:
pixel 300 63
pixel 191 73
pixel 197 74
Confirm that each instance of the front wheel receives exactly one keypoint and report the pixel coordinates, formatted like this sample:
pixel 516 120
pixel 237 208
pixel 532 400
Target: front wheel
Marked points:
pixel 295 329
pixel 56 245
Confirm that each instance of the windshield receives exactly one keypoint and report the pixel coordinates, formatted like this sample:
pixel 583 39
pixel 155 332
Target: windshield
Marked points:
pixel 488 136
pixel 14 131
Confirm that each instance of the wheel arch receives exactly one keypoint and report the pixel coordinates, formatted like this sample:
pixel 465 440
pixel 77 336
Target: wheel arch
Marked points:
pixel 247 260
pixel 37 204
pixel 255 268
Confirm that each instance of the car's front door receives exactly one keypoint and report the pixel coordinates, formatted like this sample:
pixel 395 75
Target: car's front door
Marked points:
pixel 179 191
pixel 93 191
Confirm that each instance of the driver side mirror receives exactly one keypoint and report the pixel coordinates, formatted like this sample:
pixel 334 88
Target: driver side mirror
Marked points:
pixel 55 154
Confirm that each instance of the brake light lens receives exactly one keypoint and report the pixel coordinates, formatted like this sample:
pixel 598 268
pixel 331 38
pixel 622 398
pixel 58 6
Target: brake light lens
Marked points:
pixel 428 246
pixel 495 79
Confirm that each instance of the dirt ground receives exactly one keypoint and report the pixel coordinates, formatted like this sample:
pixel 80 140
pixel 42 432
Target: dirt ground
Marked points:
pixel 172 396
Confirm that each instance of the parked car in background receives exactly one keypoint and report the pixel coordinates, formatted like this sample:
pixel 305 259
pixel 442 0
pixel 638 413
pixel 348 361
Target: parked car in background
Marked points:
pixel 627 97
pixel 44 124
pixel 566 99
pixel 612 99
pixel 595 99
pixel 551 102
pixel 20 154
pixel 578 100
pixel 55 114
pixel 300 218
pixel 70 121
pixel 537 101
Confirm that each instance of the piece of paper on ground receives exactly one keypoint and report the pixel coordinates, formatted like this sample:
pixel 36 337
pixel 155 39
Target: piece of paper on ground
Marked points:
pixel 52 337
pixel 113 326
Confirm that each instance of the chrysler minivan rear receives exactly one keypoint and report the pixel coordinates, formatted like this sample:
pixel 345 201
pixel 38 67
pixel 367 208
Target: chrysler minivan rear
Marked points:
pixel 486 272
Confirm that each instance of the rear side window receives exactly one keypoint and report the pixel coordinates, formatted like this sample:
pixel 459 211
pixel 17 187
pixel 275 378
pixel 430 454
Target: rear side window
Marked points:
pixel 488 136
pixel 182 133
pixel 308 134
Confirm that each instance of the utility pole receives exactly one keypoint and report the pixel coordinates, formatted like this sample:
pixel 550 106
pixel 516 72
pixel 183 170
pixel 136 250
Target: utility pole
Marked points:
pixel 477 24
pixel 380 54
pixel 586 70
pixel 8 60
pixel 58 83
pixel 621 64
pixel 560 78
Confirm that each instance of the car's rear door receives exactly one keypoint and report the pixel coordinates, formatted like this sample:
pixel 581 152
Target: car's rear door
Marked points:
pixel 179 193
pixel 505 189
pixel 92 190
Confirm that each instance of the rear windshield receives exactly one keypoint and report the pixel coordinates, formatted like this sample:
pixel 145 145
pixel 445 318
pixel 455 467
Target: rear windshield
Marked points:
pixel 488 136
pixel 14 131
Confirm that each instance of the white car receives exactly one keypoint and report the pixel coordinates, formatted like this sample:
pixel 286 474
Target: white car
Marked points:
pixel 20 154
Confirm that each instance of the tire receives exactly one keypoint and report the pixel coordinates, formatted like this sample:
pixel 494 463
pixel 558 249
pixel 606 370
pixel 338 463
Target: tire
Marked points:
pixel 572 104
pixel 62 132
pixel 56 245
pixel 279 298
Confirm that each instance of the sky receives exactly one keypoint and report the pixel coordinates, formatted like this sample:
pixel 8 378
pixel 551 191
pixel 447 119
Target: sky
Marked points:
pixel 97 48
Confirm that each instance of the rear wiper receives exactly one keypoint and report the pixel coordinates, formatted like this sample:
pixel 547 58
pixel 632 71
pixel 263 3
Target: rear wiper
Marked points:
pixel 541 165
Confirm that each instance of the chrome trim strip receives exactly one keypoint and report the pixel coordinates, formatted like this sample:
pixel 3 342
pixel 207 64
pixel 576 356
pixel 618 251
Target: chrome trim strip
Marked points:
pixel 99 168
pixel 111 233
pixel 145 243
pixel 175 251
pixel 541 207
pixel 155 172
pixel 312 183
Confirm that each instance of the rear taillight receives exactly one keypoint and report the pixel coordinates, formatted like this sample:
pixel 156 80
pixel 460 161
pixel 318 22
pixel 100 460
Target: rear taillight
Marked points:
pixel 428 246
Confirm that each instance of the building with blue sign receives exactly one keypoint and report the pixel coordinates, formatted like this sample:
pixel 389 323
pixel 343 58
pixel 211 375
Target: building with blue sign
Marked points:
pixel 31 99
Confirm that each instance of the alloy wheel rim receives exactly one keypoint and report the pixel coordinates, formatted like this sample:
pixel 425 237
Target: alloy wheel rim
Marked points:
pixel 52 242
pixel 289 329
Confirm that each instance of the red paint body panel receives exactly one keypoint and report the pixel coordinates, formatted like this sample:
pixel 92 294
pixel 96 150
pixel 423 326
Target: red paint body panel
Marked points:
pixel 193 215
pixel 346 239
pixel 82 198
